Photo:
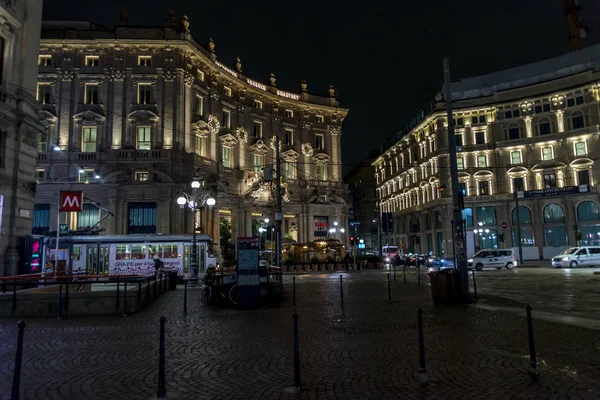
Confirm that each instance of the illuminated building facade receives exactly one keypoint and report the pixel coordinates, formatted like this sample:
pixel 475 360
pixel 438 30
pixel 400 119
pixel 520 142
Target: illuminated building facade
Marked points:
pixel 530 128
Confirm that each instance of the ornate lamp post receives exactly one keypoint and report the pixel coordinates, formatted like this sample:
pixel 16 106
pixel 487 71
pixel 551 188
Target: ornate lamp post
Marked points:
pixel 195 201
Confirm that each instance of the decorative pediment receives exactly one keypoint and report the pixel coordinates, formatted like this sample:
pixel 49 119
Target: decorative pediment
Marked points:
pixel 213 124
pixel 89 117
pixel 141 116
pixel 290 156
pixel 272 143
pixel 47 116
pixel 201 129
pixel 582 162
pixel 259 147
pixel 241 135
pixel 115 74
pixel 321 158
pixel 307 149
pixel 228 140
pixel 335 130
pixel 92 80
pixel 548 165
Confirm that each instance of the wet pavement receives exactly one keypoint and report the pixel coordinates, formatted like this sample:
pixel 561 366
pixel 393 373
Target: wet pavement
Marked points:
pixel 366 348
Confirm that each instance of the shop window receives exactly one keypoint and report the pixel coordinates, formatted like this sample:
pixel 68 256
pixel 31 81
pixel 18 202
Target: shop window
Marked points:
pixel 527 239
pixel 488 240
pixel 487 215
pixel 524 215
pixel 555 236
pixel 467 215
pixel 554 213
pixel 587 211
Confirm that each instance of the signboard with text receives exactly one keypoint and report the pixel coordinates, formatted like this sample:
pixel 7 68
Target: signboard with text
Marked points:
pixel 247 273
pixel 71 201
pixel 553 191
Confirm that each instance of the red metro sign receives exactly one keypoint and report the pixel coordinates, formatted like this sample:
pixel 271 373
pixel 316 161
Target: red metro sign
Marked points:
pixel 71 201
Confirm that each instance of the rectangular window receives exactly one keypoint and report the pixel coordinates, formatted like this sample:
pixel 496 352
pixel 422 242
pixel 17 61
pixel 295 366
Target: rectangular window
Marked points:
pixel 42 143
pixel 474 120
pixel 513 133
pixel 546 107
pixel 583 177
pixel 142 218
pixel 200 75
pixel 226 119
pixel 88 217
pixel 482 119
pixel 143 138
pixel 460 122
pixel 227 91
pixel 480 137
pixel 320 119
pixel 144 91
pixel 40 175
pixel 92 61
pixel 545 128
pixel 289 114
pixel 556 236
pixel 580 148
pixel 257 129
pixel 460 163
pixel 321 172
pixel 526 237
pixel 459 140
pixel 319 142
pixel 41 219
pixel 518 184
pixel 288 170
pixel 142 176
pixel 507 114
pixel 516 113
pixel 91 93
pixel 43 93
pixel 467 216
pixel 578 122
pixel 199 146
pixel 145 61
pixel 515 157
pixel 199 106
pixel 570 102
pixel 484 188
pixel 549 181
pixel 89 139
pixel 538 109
pixel 226 158
pixel 258 163
pixel 86 176
pixel 547 153
pixel 481 161
pixel 45 61
pixel 289 137
pixel 579 100
pixel 258 104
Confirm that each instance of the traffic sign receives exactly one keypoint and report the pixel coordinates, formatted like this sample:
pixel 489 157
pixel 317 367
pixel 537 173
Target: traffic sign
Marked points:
pixel 71 201
pixel 63 229
pixel 504 225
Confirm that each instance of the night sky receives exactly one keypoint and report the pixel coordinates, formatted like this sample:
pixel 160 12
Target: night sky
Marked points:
pixel 384 57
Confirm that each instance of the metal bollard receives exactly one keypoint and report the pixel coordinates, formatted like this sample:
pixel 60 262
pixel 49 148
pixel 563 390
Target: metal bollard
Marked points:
pixel 389 289
pixel 297 383
pixel 14 299
pixel 533 365
pixel 16 383
pixel 342 289
pixel 185 297
pixel 162 391
pixel 125 300
pixel 422 369
pixel 60 306
pixel 474 285
pixel 294 291
pixel 118 293
pixel 405 272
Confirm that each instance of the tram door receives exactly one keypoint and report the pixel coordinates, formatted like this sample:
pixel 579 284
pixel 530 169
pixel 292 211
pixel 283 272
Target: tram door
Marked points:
pixel 202 258
pixel 91 259
pixel 103 257
pixel 186 258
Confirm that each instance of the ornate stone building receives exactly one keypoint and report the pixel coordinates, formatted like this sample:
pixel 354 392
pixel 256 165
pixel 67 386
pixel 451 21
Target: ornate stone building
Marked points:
pixel 530 128
pixel 20 24
pixel 135 113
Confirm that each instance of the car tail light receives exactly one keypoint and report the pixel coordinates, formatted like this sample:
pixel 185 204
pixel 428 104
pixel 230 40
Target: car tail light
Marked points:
pixel 515 257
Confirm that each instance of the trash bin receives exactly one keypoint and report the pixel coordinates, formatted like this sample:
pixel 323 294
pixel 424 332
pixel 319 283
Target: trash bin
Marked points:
pixel 172 280
pixel 443 286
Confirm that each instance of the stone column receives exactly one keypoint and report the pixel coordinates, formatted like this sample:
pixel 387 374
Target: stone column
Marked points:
pixel 560 118
pixel 336 159
pixel 111 225
pixel 528 128
pixel 167 123
pixel 67 102
pixel 187 115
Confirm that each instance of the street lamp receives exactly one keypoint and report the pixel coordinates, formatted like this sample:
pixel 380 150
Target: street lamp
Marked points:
pixel 195 201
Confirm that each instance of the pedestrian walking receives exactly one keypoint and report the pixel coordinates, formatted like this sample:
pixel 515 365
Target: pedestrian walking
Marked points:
pixel 157 264
pixel 346 261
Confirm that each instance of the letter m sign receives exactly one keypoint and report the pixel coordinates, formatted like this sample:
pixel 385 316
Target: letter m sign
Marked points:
pixel 71 201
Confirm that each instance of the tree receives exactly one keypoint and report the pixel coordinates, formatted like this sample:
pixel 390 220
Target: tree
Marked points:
pixel 227 248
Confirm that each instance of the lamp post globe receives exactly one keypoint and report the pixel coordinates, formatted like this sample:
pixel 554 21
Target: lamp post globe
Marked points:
pixel 342 231
pixel 267 220
pixel 211 202
pixel 181 200
pixel 195 185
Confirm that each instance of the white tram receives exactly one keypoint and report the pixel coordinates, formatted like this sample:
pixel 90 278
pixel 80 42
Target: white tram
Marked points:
pixel 126 254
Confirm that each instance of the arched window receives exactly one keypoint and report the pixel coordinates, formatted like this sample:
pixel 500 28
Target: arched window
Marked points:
pixel 554 213
pixel 524 215
pixel 513 132
pixel 487 215
pixel 588 210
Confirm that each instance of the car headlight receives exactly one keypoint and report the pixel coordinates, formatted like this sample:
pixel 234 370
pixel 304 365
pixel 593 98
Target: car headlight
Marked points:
pixel 387 260
pixel 431 260
pixel 566 259
pixel 470 260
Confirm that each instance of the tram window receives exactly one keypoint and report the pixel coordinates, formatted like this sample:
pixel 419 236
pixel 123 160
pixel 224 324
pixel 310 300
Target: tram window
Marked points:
pixel 170 251
pixel 76 253
pixel 211 250
pixel 123 252
pixel 138 252
pixel 155 250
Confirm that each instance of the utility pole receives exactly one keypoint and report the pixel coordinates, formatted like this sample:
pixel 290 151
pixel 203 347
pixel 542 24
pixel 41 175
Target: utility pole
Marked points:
pixel 278 213
pixel 458 236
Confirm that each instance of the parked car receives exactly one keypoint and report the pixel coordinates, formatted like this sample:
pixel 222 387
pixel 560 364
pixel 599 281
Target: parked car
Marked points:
pixel 493 258
pixel 574 257
pixel 441 264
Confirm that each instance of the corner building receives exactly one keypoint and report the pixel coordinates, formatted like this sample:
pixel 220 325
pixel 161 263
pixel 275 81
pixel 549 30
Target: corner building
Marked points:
pixel 136 113
pixel 530 128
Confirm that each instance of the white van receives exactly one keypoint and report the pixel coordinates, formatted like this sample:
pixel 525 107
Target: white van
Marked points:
pixel 493 258
pixel 574 257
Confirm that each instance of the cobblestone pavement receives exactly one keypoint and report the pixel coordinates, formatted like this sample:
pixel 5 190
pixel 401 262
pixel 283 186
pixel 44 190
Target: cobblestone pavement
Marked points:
pixel 366 349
